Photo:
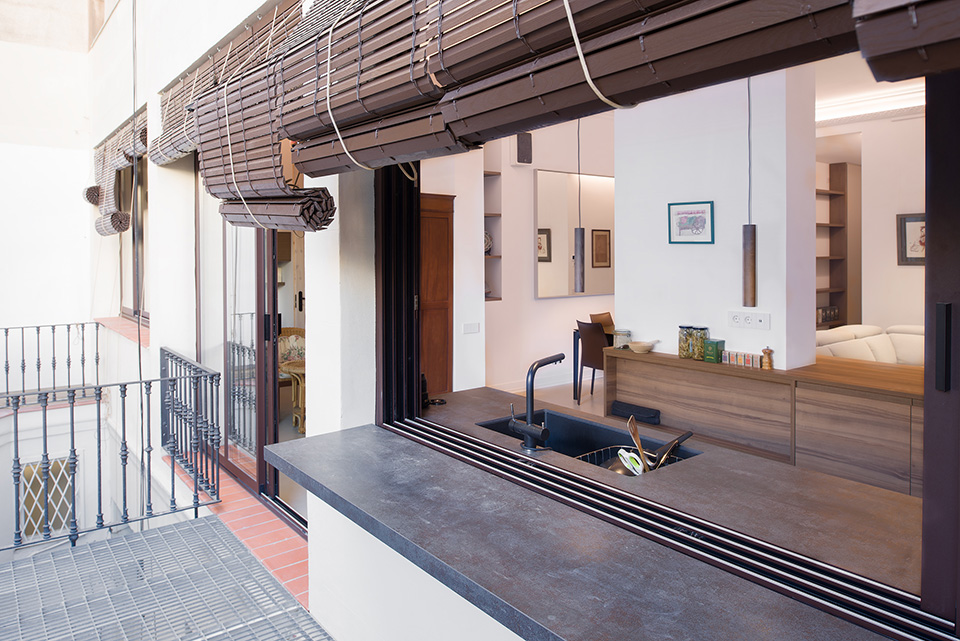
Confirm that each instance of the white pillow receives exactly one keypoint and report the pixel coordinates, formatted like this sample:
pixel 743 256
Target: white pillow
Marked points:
pixel 857 349
pixel 905 329
pixel 882 348
pixel 909 348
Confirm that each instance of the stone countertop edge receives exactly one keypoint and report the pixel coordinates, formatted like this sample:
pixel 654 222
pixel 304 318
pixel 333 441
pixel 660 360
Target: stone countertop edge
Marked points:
pixel 570 585
pixel 503 612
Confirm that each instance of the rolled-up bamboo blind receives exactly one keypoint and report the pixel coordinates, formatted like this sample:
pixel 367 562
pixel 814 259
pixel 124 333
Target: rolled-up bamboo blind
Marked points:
pixel 261 36
pixel 117 151
pixel 312 210
pixel 902 40
pixel 413 79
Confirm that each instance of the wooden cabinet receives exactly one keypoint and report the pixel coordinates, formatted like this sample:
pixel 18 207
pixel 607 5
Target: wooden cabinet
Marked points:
pixel 492 221
pixel 838 245
pixel 749 414
pixel 854 435
pixel 854 419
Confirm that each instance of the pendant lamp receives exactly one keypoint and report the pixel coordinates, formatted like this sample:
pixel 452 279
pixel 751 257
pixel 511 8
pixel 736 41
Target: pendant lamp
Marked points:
pixel 578 231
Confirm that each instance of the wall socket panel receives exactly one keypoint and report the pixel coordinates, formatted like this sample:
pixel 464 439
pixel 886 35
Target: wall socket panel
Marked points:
pixel 748 319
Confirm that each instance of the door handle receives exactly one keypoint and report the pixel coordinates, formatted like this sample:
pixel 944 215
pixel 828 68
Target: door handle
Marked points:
pixel 300 301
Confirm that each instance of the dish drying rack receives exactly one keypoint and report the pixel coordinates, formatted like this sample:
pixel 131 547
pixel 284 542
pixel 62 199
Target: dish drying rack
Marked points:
pixel 604 454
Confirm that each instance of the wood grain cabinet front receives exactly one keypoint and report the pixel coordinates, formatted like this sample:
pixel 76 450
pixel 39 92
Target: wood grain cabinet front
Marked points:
pixel 855 435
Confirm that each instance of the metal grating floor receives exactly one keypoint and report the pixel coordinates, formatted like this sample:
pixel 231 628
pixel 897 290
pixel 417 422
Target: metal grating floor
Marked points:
pixel 191 580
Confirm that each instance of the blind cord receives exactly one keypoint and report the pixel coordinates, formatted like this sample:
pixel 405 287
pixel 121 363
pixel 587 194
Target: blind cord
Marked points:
pixel 333 120
pixel 583 62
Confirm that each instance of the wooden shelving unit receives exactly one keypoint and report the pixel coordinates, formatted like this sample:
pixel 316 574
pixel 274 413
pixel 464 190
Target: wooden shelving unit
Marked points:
pixel 842 233
pixel 492 222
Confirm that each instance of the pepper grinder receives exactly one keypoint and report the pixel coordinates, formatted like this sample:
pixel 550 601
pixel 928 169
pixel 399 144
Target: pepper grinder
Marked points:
pixel 767 361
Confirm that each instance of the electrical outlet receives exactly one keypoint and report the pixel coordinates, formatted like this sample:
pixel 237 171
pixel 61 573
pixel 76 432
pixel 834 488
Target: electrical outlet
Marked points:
pixel 747 320
pixel 734 319
pixel 761 320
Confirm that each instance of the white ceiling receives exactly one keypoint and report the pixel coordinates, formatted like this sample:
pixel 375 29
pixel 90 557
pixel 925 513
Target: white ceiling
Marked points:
pixel 846 89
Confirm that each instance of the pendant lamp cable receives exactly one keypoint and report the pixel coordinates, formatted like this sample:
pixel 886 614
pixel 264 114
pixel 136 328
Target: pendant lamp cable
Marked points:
pixel 579 180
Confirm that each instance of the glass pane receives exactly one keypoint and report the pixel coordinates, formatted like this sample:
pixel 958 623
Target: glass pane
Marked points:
pixel 241 360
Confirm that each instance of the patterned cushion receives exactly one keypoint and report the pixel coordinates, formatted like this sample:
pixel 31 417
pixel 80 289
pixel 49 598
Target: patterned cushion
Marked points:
pixel 291 348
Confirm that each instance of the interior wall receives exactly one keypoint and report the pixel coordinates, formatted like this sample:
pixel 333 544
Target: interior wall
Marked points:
pixel 893 182
pixel 696 151
pixel 522 328
pixel 462 176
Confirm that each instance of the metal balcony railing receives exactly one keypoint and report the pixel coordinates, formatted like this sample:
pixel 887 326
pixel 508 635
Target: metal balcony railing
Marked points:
pixel 30 359
pixel 86 461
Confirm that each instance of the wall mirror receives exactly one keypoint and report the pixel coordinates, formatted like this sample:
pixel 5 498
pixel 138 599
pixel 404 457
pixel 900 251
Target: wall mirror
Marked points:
pixel 557 216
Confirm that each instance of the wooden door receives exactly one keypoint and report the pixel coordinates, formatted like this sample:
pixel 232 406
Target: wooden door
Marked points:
pixel 436 291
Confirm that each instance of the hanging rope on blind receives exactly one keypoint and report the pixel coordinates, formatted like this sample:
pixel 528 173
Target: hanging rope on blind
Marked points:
pixel 583 61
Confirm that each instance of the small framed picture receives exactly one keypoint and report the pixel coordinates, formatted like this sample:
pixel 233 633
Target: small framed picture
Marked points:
pixel 601 247
pixel 691 222
pixel 911 239
pixel 544 254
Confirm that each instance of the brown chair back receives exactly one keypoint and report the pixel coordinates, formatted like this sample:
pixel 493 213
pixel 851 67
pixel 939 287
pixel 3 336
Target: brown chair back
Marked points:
pixel 605 319
pixel 592 342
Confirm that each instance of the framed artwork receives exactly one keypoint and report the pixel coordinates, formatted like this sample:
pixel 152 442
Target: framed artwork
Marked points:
pixel 601 247
pixel 544 253
pixel 691 222
pixel 911 239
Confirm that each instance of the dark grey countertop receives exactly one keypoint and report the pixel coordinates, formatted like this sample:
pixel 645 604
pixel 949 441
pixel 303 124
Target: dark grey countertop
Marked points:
pixel 866 530
pixel 541 568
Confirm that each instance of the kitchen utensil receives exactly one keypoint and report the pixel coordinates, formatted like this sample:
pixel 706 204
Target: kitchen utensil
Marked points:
pixel 635 435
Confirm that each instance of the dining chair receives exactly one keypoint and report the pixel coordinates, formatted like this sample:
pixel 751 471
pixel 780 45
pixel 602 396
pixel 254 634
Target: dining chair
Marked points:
pixel 592 340
pixel 605 319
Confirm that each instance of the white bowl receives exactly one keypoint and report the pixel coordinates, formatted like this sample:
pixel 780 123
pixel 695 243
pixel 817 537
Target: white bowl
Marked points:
pixel 642 347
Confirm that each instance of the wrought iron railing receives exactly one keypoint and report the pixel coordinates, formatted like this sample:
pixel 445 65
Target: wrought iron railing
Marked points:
pixel 100 436
pixel 241 382
pixel 30 358
pixel 190 422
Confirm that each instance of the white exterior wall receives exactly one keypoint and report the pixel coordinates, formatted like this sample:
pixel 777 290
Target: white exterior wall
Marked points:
pixel 693 147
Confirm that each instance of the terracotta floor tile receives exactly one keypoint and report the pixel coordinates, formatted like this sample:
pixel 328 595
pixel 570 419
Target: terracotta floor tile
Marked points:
pixel 304 600
pixel 298 585
pixel 248 521
pixel 290 557
pixel 269 538
pixel 289 572
pixel 259 528
pixel 257 510
pixel 278 548
pixel 234 505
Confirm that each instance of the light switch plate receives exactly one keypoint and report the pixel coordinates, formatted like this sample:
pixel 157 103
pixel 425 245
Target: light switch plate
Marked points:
pixel 471 328
pixel 761 320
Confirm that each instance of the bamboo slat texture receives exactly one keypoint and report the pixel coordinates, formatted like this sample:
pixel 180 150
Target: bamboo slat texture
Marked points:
pixel 908 39
pixel 260 38
pixel 312 211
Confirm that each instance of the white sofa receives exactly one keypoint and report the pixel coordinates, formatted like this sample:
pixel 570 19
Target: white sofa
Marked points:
pixel 899 344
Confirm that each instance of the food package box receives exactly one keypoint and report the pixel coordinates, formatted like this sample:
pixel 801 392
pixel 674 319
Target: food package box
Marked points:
pixel 713 350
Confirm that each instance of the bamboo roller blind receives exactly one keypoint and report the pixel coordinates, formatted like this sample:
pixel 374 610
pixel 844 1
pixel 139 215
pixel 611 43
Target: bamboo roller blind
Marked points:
pixel 903 40
pixel 412 79
pixel 119 150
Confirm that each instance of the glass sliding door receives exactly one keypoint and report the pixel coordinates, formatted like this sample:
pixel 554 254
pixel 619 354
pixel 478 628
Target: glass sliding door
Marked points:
pixel 245 298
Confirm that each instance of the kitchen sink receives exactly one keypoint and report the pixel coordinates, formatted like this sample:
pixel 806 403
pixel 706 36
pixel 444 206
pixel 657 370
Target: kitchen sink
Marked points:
pixel 579 438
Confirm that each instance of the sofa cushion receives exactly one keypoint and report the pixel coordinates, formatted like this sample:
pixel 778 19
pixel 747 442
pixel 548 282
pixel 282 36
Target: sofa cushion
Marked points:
pixel 909 348
pixel 882 348
pixel 905 329
pixel 862 331
pixel 846 333
pixel 857 349
pixel 835 335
